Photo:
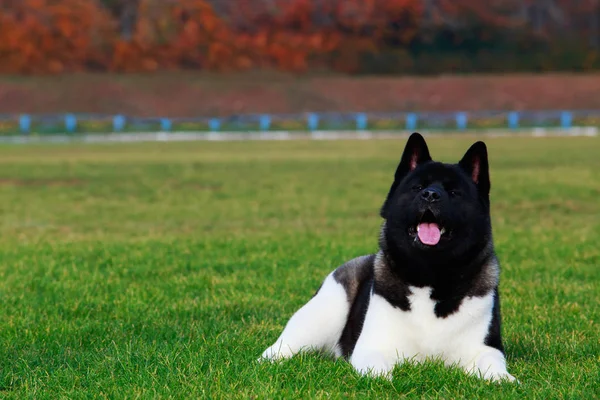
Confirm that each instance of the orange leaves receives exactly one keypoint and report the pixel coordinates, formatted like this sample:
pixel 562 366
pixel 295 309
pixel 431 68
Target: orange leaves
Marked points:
pixel 45 36
pixel 298 15
pixel 52 36
pixel 130 57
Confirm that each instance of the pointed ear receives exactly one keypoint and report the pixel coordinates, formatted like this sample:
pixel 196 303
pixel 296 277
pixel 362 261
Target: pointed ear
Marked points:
pixel 475 164
pixel 415 152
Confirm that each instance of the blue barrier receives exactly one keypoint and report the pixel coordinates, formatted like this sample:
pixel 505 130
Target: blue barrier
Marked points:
pixel 565 119
pixel 361 121
pixel 118 123
pixel 461 120
pixel 513 120
pixel 70 123
pixel 312 122
pixel 214 124
pixel 411 121
pixel 165 124
pixel 265 122
pixel 25 123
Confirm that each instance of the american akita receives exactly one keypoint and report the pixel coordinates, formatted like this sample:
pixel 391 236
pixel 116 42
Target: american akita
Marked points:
pixel 431 291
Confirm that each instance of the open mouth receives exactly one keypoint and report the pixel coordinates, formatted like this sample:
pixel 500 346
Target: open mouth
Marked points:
pixel 429 230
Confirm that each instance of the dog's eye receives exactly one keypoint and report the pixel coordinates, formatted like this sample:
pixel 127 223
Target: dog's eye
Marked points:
pixel 417 188
pixel 454 192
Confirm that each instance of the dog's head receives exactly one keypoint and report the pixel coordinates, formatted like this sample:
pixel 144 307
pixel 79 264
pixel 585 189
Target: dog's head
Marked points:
pixel 438 209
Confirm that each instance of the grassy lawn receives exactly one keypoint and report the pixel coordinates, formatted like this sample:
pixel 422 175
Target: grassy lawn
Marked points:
pixel 164 270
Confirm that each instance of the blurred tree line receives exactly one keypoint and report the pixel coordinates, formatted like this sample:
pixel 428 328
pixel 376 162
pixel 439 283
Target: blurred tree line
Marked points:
pixel 352 36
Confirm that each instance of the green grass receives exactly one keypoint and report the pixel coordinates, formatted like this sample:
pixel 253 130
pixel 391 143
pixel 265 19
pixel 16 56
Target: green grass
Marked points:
pixel 164 270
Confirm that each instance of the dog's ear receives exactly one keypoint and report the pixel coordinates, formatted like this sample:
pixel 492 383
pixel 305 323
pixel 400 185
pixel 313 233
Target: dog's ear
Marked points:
pixel 415 153
pixel 475 164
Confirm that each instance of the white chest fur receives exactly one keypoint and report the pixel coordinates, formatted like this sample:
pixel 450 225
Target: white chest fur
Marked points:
pixel 390 335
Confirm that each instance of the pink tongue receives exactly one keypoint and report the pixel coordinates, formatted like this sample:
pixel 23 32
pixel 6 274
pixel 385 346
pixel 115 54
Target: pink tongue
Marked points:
pixel 429 233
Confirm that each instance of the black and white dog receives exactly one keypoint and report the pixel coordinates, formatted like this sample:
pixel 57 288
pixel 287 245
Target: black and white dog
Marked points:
pixel 431 291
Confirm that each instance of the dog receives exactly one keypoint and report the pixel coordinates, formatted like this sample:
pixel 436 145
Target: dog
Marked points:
pixel 430 291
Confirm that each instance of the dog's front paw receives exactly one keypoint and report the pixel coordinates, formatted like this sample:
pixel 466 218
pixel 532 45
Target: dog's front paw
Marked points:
pixel 373 365
pixel 499 376
pixel 276 352
pixel 492 366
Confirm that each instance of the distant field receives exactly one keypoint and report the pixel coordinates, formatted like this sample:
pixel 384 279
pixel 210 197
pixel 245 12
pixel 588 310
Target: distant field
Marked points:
pixel 189 94
pixel 165 269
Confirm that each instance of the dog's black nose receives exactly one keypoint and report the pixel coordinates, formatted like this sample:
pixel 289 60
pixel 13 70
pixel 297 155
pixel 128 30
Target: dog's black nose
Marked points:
pixel 431 195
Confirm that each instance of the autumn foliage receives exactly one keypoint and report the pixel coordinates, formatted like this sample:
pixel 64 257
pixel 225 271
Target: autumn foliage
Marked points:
pixel 53 36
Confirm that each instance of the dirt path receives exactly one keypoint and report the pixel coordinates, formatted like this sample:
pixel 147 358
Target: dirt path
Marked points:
pixel 195 94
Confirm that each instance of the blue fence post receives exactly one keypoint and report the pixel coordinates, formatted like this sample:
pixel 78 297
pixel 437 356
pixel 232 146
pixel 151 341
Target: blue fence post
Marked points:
pixel 165 124
pixel 361 121
pixel 70 123
pixel 265 122
pixel 411 121
pixel 313 122
pixel 513 120
pixel 118 123
pixel 566 119
pixel 461 120
pixel 25 123
pixel 214 124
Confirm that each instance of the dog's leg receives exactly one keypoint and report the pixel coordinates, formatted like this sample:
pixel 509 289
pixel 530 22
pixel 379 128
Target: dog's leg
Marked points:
pixel 381 342
pixel 318 325
pixel 490 364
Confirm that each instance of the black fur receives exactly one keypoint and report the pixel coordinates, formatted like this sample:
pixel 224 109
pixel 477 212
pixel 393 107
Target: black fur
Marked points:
pixel 356 317
pixel 357 278
pixel 461 265
pixel 353 273
pixel 494 336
